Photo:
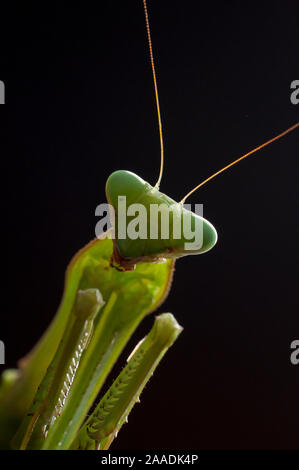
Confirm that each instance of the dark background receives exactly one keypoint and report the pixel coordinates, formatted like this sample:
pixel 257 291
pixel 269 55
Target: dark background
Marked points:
pixel 79 105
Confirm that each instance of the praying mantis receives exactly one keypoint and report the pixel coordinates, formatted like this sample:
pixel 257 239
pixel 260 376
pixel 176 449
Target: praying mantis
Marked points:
pixel 111 285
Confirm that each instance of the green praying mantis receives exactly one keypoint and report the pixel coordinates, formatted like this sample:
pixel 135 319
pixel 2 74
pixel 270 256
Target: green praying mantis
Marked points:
pixel 110 286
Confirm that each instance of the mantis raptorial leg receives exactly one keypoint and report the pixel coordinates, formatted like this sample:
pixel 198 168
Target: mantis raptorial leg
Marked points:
pixel 113 410
pixel 55 388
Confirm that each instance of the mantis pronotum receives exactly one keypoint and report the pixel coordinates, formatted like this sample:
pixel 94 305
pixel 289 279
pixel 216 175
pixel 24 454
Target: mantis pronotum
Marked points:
pixel 132 284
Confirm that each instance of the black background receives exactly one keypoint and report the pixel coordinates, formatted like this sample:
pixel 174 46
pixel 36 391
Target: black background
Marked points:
pixel 79 105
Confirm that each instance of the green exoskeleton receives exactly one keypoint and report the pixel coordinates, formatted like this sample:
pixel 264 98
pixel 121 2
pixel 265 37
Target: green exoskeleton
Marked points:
pixel 110 285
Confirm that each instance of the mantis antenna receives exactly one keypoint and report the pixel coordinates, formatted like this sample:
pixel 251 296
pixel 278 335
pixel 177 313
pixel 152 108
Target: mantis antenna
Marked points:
pixel 156 93
pixel 238 160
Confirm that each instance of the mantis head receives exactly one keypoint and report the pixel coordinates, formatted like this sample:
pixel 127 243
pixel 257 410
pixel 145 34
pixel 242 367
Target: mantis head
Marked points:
pixel 149 226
